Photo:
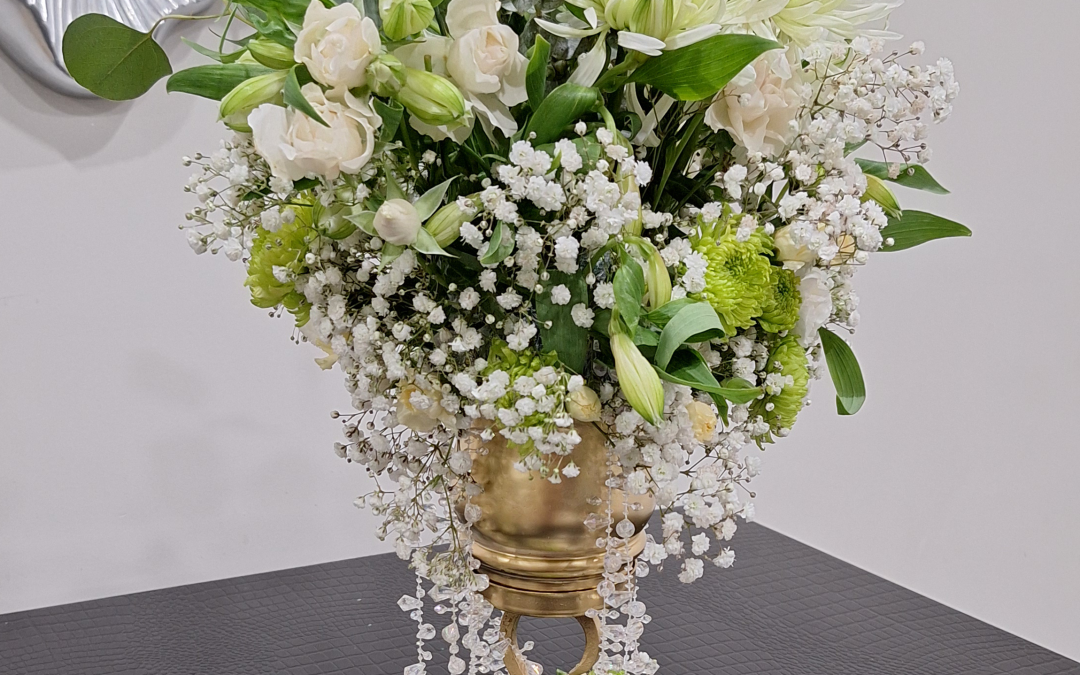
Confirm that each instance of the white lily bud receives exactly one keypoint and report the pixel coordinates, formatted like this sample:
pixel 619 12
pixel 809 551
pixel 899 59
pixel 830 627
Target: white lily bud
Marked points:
pixel 402 18
pixel 397 222
pixel 430 98
pixel 658 281
pixel 250 94
pixel 637 379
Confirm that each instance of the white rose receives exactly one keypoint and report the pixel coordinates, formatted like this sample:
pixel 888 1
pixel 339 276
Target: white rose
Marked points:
pixel 296 146
pixel 337 44
pixel 758 111
pixel 794 256
pixel 397 222
pixel 817 304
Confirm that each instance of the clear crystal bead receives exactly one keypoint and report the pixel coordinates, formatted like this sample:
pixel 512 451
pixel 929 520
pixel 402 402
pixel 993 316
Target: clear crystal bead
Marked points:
pixel 426 631
pixel 624 529
pixel 456 666
pixel 451 633
pixel 594 521
pixel 408 603
pixel 415 669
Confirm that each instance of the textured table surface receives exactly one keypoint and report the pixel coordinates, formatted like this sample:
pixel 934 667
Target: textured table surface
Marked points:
pixel 785 609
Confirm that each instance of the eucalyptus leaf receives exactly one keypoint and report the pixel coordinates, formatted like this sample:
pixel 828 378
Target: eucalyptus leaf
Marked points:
pixel 431 200
pixel 846 374
pixel 214 81
pixel 564 337
pixel 499 246
pixel 214 54
pixel 565 105
pixel 425 243
pixel 536 72
pixel 629 289
pixel 695 323
pixel 295 98
pixel 112 60
pixel 698 71
pixel 918 227
pixel 911 175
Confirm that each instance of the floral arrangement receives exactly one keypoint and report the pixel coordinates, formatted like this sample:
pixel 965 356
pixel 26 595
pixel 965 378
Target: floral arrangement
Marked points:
pixel 508 218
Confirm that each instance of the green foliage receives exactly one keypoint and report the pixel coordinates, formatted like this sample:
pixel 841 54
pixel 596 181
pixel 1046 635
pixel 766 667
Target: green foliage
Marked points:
pixel 846 374
pixel 698 71
pixel 112 60
pixel 912 176
pixel 688 368
pixel 536 73
pixel 564 337
pixel 499 246
pixel 918 227
pixel 694 323
pixel 214 81
pixel 629 288
pixel 295 98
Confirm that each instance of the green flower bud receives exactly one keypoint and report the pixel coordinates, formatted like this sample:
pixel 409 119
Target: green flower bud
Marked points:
pixel 430 98
pixel 271 54
pixel 386 75
pixel 653 17
pixel 445 225
pixel 252 93
pixel 658 281
pixel 877 191
pixel 402 18
pixel 637 378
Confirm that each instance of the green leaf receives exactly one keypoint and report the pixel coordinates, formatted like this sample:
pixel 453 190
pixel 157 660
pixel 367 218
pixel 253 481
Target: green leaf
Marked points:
pixel 431 200
pixel 295 98
pixel 365 220
pixel 694 323
pixel 213 53
pixel 391 113
pixel 662 315
pixel 565 338
pixel 215 80
pixel 499 246
pixel 846 374
pixel 536 73
pixel 563 106
pixel 698 71
pixel 917 227
pixel 688 368
pixel 629 289
pixel 912 176
pixel 425 243
pixel 112 60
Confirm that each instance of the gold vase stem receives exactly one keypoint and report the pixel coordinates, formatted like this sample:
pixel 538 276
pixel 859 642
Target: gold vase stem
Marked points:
pixel 515 663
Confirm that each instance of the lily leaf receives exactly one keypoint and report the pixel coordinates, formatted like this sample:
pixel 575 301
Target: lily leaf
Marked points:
pixel 563 106
pixel 688 368
pixel 112 60
pixel 391 113
pixel 694 323
pixel 536 72
pixel 629 289
pixel 846 374
pixel 918 227
pixel 698 71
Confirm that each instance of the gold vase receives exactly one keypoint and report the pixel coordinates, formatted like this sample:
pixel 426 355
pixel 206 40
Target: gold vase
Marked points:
pixel 533 542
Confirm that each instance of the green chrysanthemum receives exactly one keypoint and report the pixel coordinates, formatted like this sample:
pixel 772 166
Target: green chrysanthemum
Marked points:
pixel 781 311
pixel 284 251
pixel 788 359
pixel 737 279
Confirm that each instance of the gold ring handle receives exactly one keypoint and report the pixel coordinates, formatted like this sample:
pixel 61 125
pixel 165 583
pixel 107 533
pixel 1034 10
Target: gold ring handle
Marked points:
pixel 515 664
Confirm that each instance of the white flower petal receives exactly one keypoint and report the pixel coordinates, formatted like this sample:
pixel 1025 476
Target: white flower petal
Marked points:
pixel 689 37
pixel 463 16
pixel 591 63
pixel 641 43
pixel 565 31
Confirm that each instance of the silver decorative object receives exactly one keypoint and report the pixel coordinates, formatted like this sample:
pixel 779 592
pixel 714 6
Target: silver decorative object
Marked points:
pixel 32 31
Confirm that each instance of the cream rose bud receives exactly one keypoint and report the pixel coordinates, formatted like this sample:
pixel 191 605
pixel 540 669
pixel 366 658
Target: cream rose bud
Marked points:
pixel 758 110
pixel 337 44
pixel 703 420
pixel 397 222
pixel 418 409
pixel 794 256
pixel 296 146
pixel 583 405
pixel 817 304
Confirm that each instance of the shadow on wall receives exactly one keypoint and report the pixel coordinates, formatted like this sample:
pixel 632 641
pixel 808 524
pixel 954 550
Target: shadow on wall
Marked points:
pixel 81 130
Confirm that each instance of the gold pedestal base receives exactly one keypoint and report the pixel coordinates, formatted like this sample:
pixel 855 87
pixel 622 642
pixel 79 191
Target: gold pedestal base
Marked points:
pixel 515 664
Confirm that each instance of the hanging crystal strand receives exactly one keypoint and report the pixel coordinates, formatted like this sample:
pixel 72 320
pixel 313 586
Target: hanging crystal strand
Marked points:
pixel 610 659
pixel 414 605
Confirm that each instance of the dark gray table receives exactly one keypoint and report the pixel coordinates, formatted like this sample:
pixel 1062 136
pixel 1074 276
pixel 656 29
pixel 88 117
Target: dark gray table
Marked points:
pixel 785 609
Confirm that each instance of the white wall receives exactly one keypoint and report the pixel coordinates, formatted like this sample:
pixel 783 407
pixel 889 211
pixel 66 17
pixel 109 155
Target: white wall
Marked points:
pixel 155 429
